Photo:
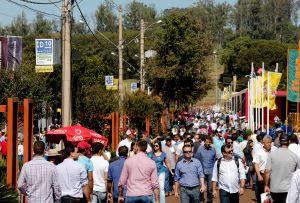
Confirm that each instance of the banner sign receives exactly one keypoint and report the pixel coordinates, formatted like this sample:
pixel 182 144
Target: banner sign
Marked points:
pixel 115 85
pixel 44 52
pixel 293 76
pixel 133 87
pixel 109 80
pixel 11 52
pixel 43 69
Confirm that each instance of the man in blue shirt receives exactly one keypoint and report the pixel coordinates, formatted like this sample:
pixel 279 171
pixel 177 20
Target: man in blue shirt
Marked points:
pixel 218 141
pixel 114 173
pixel 189 176
pixel 207 156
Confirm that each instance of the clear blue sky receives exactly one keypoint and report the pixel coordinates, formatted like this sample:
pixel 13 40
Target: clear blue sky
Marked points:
pixel 9 10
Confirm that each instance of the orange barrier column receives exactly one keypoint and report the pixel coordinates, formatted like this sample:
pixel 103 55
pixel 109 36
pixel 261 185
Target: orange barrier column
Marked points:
pixel 12 145
pixel 115 130
pixel 148 125
pixel 28 130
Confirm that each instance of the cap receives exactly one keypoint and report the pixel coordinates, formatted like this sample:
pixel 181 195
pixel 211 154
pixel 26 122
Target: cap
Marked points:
pixel 128 132
pixel 83 145
pixel 284 138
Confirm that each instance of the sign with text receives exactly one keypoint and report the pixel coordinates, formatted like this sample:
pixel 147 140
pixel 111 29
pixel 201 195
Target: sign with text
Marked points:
pixel 133 86
pixel 109 80
pixel 44 52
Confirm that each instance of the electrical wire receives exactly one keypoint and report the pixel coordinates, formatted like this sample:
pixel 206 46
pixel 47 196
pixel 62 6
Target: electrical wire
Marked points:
pixel 84 19
pixel 34 10
pixel 54 4
pixel 43 3
pixel 6 14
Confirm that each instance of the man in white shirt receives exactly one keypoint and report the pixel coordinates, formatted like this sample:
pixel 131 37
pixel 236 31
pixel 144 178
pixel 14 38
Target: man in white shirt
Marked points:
pixel 100 172
pixel 72 177
pixel 294 145
pixel 229 173
pixel 127 141
pixel 294 190
pixel 260 160
pixel 259 144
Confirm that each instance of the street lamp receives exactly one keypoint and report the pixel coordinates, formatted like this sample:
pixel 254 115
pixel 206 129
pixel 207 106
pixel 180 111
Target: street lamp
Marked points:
pixel 215 67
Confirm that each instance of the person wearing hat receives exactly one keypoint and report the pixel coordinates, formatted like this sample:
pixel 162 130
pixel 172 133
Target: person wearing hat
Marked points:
pixel 281 165
pixel 218 141
pixel 52 156
pixel 127 141
pixel 84 149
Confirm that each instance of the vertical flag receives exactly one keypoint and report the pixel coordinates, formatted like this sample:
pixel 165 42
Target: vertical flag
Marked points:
pixel 293 76
pixel 273 80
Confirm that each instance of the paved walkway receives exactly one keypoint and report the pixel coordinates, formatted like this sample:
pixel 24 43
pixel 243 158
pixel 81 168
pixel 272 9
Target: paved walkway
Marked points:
pixel 248 197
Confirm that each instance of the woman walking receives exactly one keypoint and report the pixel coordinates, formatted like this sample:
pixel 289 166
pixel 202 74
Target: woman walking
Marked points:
pixel 160 158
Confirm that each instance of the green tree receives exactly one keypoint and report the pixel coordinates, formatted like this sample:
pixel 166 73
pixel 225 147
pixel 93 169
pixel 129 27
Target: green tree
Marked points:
pixel 105 18
pixel 41 25
pixel 19 26
pixel 135 11
pixel 177 73
pixel 139 105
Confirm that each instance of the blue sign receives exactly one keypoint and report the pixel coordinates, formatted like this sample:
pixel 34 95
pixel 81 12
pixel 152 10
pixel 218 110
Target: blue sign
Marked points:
pixel 109 80
pixel 134 86
pixel 44 52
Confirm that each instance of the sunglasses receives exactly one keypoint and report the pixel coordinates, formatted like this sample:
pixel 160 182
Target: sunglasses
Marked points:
pixel 156 145
pixel 229 142
pixel 187 152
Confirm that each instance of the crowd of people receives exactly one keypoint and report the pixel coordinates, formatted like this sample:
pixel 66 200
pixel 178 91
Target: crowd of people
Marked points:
pixel 213 155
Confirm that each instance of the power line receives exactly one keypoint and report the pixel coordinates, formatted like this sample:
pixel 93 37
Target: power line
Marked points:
pixel 42 3
pixel 32 9
pixel 85 21
pixel 5 14
pixel 54 4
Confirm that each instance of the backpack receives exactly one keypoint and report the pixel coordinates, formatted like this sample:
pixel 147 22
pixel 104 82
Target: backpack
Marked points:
pixel 236 160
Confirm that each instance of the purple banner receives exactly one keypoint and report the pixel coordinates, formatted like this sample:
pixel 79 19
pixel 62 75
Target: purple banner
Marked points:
pixel 14 57
pixel 4 52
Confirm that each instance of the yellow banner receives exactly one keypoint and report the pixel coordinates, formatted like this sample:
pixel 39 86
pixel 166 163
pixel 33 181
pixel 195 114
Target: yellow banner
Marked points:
pixel 272 80
pixel 257 91
pixel 43 69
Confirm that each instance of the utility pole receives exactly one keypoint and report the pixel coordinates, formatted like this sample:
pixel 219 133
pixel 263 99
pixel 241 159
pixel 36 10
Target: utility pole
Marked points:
pixel 120 48
pixel 66 64
pixel 142 57
pixel 216 77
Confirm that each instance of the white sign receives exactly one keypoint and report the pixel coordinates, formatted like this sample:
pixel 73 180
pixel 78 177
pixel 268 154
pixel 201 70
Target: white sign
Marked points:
pixel 44 52
pixel 133 87
pixel 109 80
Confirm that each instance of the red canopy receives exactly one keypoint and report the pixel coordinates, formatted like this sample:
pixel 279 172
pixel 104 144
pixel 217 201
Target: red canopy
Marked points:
pixel 75 133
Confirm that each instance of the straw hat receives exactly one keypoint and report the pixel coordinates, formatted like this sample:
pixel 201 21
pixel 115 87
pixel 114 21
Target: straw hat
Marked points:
pixel 52 152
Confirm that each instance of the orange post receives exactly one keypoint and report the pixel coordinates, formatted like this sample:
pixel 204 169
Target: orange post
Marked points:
pixel 148 125
pixel 115 129
pixel 28 130
pixel 12 146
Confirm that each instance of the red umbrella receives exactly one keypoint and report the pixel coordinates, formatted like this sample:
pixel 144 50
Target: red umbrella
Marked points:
pixel 75 133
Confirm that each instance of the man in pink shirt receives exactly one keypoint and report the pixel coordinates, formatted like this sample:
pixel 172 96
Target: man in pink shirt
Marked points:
pixel 140 177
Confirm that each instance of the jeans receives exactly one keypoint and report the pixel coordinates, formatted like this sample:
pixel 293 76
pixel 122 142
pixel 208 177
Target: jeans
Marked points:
pixel 69 199
pixel 207 178
pixel 161 180
pixel 259 189
pixel 139 199
pixel 189 195
pixel 279 197
pixel 226 197
pixel 99 197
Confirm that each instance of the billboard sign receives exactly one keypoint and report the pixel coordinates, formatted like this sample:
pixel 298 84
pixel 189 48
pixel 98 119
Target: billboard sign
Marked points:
pixel 44 52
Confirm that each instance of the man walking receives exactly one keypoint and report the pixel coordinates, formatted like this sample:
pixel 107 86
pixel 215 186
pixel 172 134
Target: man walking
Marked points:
pixel 100 166
pixel 281 165
pixel 207 156
pixel 38 178
pixel 84 149
pixel 139 175
pixel 72 177
pixel 114 173
pixel 229 173
pixel 218 141
pixel 189 176
pixel 260 160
